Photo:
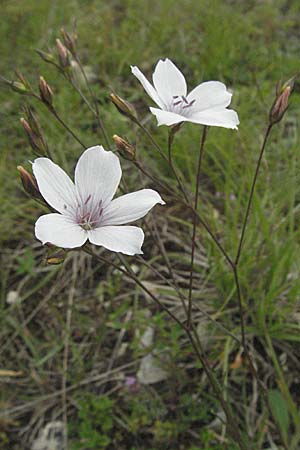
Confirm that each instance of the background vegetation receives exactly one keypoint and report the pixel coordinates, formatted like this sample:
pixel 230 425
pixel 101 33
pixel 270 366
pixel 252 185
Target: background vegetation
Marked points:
pixel 248 45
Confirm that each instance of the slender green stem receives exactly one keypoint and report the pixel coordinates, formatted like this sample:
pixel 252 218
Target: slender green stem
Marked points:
pixel 170 142
pixel 187 204
pixel 234 432
pixel 245 222
pixel 236 261
pixel 174 171
pixel 62 122
pixel 98 116
pixel 243 327
pixel 59 119
pixel 201 151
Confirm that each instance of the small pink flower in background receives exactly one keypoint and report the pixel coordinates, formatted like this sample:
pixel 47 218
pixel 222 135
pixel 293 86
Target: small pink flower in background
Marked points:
pixel 86 209
pixel 132 384
pixel 206 104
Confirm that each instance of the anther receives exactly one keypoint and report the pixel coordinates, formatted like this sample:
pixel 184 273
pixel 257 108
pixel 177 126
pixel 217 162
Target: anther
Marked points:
pixel 87 200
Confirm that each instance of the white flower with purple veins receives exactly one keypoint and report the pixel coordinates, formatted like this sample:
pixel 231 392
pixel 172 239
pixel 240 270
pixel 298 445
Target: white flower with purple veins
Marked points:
pixel 206 104
pixel 86 209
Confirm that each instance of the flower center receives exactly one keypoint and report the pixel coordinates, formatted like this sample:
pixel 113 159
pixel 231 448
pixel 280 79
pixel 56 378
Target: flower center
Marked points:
pixel 182 102
pixel 88 214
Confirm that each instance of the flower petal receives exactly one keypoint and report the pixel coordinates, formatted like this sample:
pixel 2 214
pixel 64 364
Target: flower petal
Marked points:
pixel 59 230
pixel 167 117
pixel 97 175
pixel 226 118
pixel 55 185
pixel 210 94
pixel 127 240
pixel 168 81
pixel 147 86
pixel 130 207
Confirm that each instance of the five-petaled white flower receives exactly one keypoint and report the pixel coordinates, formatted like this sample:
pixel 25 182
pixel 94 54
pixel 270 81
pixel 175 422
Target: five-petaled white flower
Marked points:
pixel 206 104
pixel 85 208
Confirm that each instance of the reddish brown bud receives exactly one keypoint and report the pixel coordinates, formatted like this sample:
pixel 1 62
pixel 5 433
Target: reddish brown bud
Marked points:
pixel 45 91
pixel 280 104
pixel 62 55
pixel 124 148
pixel 69 40
pixel 32 120
pixel 124 107
pixel 35 138
pixel 29 183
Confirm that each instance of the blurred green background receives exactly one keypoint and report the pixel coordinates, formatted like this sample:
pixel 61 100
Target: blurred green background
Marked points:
pixel 250 46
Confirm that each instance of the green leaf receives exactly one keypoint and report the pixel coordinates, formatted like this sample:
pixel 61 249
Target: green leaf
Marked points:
pixel 279 409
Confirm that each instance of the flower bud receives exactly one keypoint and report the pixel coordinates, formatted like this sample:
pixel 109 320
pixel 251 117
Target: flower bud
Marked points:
pixel 32 120
pixel 56 256
pixel 19 87
pixel 16 86
pixel 62 55
pixel 35 139
pixel 29 183
pixel 124 148
pixel 69 40
pixel 124 107
pixel 47 57
pixel 45 92
pixel 23 80
pixel 280 104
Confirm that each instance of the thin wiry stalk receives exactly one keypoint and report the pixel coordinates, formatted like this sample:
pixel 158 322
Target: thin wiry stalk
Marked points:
pixel 98 116
pixel 66 352
pixel 187 204
pixel 201 151
pixel 61 121
pixel 245 222
pixel 234 431
pixel 174 171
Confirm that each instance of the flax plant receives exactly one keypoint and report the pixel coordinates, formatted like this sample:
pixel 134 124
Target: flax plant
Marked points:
pixel 83 214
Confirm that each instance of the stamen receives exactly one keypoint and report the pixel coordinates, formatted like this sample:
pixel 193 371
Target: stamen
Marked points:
pixel 88 199
pixel 89 215
pixel 189 104
pixel 182 99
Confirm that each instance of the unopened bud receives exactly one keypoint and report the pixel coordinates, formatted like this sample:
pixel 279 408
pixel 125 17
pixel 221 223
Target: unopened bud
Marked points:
pixel 62 55
pixel 23 80
pixel 69 40
pixel 29 183
pixel 32 120
pixel 46 56
pixel 280 104
pixel 124 148
pixel 16 86
pixel 45 91
pixel 124 107
pixel 56 256
pixel 35 138
pixel 19 87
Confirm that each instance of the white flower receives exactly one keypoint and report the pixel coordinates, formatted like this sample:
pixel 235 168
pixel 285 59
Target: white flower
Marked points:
pixel 85 208
pixel 206 104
